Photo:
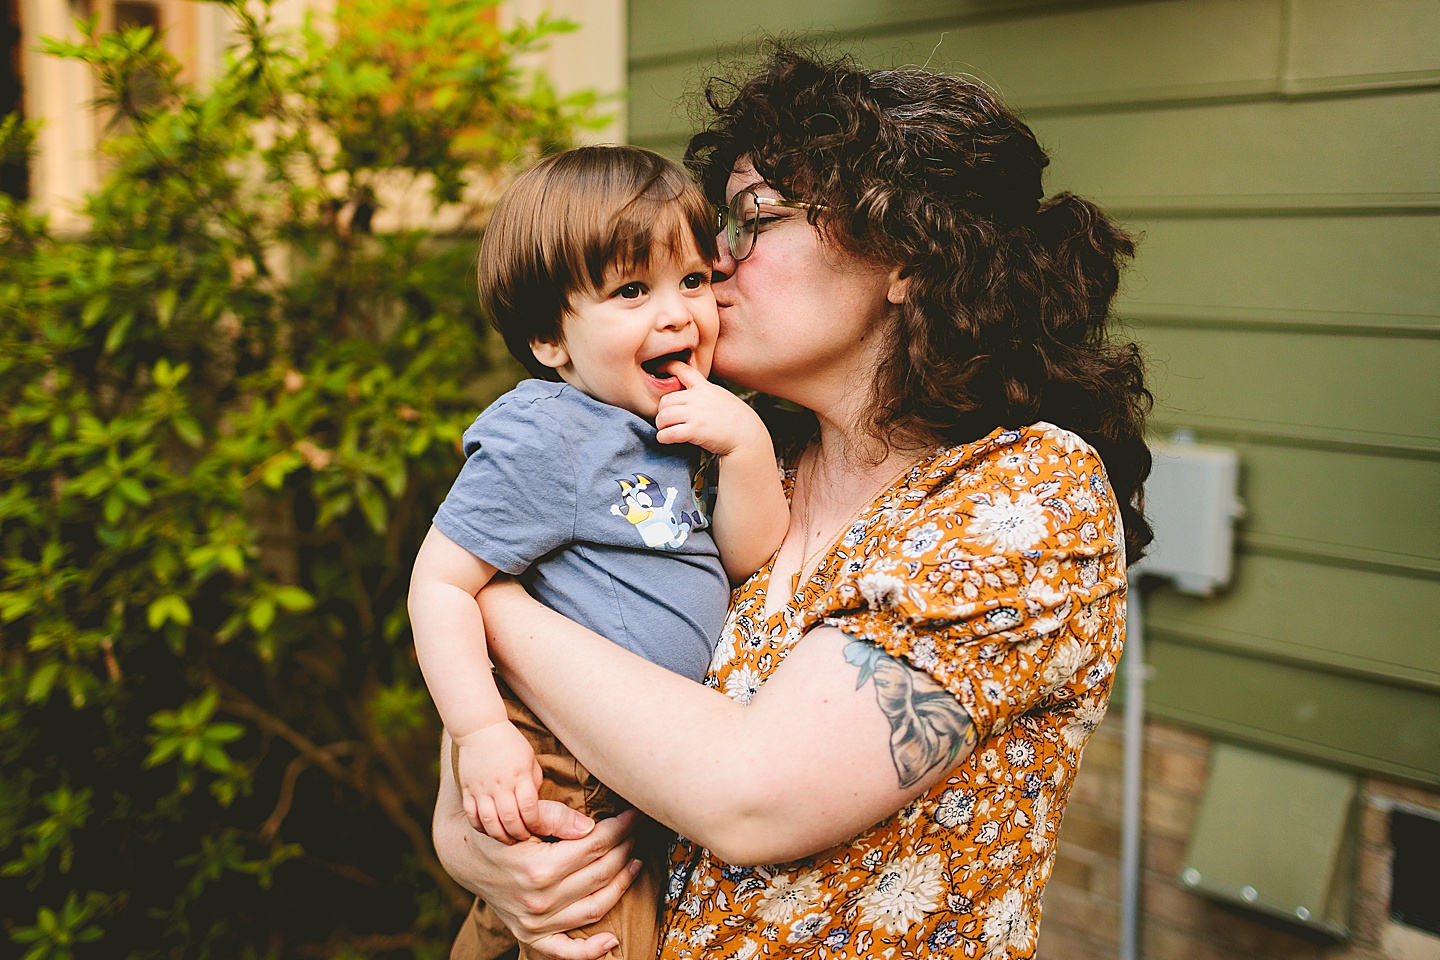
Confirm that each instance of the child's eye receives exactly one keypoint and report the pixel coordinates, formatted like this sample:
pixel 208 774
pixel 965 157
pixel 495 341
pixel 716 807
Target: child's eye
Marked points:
pixel 694 281
pixel 631 291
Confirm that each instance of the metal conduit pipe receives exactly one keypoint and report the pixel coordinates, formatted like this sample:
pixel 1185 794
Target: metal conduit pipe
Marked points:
pixel 1133 778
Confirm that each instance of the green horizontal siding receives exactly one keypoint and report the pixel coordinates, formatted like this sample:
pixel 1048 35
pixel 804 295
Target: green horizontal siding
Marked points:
pixel 1091 55
pixel 1338 44
pixel 1270 380
pixel 1281 159
pixel 1298 611
pixel 1053 57
pixel 695 29
pixel 1340 719
pixel 1256 153
pixel 1325 503
pixel 1037 62
pixel 1381 270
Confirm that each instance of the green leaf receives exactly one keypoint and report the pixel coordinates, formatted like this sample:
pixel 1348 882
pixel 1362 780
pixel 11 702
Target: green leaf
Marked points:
pixel 372 505
pixel 215 758
pixel 224 732
pixel 444 97
pixel 224 792
pixel 294 599
pixel 418 443
pixel 175 638
pixel 14 604
pixel 188 430
pixel 231 558
pixel 41 682
pixel 165 565
pixel 170 608
pixel 115 336
pixel 162 751
pixel 165 306
pixel 133 490
pixel 78 685
pixel 333 508
pixel 400 708
pixel 279 467
pixel 95 308
pixel 262 614
pixel 395 475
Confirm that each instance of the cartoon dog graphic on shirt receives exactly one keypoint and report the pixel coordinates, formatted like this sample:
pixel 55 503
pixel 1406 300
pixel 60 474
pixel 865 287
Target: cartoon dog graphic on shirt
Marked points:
pixel 657 526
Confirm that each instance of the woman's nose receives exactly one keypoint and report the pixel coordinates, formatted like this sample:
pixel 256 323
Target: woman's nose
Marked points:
pixel 724 266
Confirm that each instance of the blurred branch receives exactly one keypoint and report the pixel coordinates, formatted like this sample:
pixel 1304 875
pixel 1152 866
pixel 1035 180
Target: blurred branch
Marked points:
pixel 372 786
pixel 271 828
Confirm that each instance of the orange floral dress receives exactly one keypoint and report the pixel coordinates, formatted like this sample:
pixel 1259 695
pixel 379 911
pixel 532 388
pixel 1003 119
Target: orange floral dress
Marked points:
pixel 996 567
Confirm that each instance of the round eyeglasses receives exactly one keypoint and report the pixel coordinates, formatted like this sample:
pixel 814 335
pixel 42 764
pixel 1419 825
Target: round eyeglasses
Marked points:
pixel 740 219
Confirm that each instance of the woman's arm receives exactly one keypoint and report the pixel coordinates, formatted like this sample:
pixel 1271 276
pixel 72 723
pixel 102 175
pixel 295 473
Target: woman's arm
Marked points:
pixel 840 737
pixel 539 889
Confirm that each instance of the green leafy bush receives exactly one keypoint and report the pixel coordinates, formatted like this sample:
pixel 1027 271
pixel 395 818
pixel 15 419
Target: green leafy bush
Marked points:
pixel 228 411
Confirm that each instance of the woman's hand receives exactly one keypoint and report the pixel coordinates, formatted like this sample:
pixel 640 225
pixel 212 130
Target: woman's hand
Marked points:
pixel 540 890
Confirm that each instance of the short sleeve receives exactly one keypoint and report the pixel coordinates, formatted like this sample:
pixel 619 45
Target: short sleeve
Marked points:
pixel 515 498
pixel 1002 582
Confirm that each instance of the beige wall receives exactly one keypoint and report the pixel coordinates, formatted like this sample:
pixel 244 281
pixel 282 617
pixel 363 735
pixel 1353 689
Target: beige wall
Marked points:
pixel 592 57
pixel 58 92
pixel 55 92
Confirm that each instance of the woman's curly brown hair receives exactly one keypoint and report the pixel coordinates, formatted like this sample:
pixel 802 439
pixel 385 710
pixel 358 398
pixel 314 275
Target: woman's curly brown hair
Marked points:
pixel 1006 317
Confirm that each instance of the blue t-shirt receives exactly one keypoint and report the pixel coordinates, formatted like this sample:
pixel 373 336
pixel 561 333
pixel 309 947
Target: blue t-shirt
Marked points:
pixel 597 518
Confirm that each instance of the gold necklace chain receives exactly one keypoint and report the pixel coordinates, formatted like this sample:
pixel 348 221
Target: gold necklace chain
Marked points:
pixel 806 554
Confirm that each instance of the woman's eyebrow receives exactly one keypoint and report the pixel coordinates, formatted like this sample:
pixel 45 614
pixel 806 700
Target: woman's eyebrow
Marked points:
pixel 756 185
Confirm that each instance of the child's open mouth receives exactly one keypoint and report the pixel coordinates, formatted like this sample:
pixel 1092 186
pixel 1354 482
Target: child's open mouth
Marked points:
pixel 655 366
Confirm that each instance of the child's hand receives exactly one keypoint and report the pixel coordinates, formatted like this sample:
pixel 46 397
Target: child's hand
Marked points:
pixel 499 780
pixel 706 415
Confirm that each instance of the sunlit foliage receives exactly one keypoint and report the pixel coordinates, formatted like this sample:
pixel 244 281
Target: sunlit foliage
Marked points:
pixel 227 411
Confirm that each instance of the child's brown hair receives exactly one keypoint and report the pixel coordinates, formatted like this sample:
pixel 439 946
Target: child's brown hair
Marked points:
pixel 569 219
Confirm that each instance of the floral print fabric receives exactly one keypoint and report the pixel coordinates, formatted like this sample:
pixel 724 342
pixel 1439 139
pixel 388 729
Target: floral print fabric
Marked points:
pixel 996 567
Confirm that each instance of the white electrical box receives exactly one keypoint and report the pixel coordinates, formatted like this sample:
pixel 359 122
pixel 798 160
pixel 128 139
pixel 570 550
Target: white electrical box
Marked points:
pixel 1191 501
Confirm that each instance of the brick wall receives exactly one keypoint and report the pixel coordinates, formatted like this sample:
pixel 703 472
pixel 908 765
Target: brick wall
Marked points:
pixel 1081 920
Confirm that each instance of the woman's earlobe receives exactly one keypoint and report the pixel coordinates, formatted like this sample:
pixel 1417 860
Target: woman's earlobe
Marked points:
pixel 552 355
pixel 899 288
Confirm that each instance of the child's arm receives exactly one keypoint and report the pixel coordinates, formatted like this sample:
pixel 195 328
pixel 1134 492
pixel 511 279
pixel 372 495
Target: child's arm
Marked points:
pixel 751 515
pixel 498 773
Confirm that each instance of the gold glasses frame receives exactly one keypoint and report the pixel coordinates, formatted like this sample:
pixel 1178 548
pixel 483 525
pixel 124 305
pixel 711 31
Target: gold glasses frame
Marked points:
pixel 739 220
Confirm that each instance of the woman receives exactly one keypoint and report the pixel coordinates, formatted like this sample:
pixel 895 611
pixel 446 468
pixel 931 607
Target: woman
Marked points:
pixel 898 701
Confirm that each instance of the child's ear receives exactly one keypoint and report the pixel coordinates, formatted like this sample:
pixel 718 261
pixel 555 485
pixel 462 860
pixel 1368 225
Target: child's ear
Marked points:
pixel 552 355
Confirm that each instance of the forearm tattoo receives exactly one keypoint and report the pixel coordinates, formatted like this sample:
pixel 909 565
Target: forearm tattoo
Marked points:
pixel 928 727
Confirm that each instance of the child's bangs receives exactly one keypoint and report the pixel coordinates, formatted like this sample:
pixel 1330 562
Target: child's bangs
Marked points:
pixel 668 219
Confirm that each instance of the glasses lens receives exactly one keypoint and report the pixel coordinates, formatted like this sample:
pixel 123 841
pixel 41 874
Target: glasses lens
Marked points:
pixel 742 220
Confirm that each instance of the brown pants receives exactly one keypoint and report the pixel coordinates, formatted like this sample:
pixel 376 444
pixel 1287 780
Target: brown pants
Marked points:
pixel 635 919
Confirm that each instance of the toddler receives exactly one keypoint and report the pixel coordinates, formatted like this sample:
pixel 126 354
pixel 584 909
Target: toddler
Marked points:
pixel 584 483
